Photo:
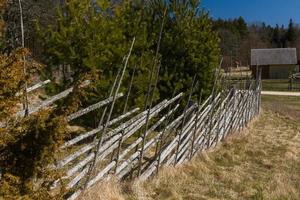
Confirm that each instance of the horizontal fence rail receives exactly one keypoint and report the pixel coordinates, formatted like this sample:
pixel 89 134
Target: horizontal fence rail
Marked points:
pixel 35 87
pixel 50 100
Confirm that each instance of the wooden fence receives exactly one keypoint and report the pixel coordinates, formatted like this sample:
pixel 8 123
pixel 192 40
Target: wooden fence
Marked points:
pixel 138 146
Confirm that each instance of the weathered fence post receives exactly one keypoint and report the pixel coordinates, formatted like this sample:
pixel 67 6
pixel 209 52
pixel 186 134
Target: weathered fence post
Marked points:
pixel 196 126
pixel 184 119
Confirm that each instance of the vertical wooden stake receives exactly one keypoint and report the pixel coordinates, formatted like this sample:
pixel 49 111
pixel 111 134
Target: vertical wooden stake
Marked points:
pixel 160 142
pixel 25 102
pixel 153 92
pixel 184 119
pixel 91 168
pixel 217 74
pixel 195 127
pixel 124 111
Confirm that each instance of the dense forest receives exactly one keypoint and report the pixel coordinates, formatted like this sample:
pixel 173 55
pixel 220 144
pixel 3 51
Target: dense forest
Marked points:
pixel 238 38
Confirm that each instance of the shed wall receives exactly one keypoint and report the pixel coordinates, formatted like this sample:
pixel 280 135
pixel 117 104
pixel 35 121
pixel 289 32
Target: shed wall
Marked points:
pixel 281 72
pixel 265 71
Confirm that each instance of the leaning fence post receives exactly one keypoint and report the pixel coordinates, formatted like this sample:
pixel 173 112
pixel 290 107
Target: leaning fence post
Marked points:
pixel 249 103
pixel 183 119
pixel 233 109
pixel 160 141
pixel 124 111
pixel 100 141
pixel 217 75
pixel 227 115
pixel 223 127
pixel 149 89
pixel 220 123
pixel 196 126
pixel 260 87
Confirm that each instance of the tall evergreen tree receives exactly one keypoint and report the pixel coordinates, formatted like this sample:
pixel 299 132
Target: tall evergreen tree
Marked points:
pixel 189 47
pixel 242 27
pixel 94 38
pixel 291 34
pixel 283 39
pixel 276 36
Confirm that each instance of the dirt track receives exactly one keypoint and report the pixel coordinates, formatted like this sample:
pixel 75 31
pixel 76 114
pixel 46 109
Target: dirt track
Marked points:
pixel 295 94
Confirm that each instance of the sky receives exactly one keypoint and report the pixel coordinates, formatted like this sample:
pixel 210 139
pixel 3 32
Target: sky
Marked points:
pixel 270 11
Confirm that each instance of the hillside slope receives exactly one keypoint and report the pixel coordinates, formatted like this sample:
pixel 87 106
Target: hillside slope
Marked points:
pixel 263 162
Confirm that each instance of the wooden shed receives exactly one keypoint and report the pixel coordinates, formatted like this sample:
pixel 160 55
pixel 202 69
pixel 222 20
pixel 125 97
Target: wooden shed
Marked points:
pixel 275 63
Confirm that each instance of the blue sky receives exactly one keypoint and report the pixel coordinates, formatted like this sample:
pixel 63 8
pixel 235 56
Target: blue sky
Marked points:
pixel 270 11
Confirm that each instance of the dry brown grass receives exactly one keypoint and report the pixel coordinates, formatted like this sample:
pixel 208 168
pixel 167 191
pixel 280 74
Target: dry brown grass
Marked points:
pixel 261 163
pixel 110 190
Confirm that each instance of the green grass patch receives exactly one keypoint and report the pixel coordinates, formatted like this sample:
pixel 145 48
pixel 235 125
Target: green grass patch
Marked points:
pixel 279 85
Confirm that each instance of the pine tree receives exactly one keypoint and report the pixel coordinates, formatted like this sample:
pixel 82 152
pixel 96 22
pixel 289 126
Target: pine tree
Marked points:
pixel 283 39
pixel 93 41
pixel 189 47
pixel 291 34
pixel 242 27
pixel 276 37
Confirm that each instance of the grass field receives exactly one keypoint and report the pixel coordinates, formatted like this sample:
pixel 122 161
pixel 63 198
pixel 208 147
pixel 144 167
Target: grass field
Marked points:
pixel 279 85
pixel 262 162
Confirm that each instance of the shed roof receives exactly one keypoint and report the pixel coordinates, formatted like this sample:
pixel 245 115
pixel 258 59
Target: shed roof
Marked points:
pixel 282 56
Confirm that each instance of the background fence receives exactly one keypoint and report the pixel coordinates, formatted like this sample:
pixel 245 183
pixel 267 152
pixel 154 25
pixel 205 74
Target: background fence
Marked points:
pixel 138 146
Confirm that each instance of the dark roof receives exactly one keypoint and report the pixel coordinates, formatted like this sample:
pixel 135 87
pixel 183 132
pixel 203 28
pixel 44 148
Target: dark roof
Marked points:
pixel 283 56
